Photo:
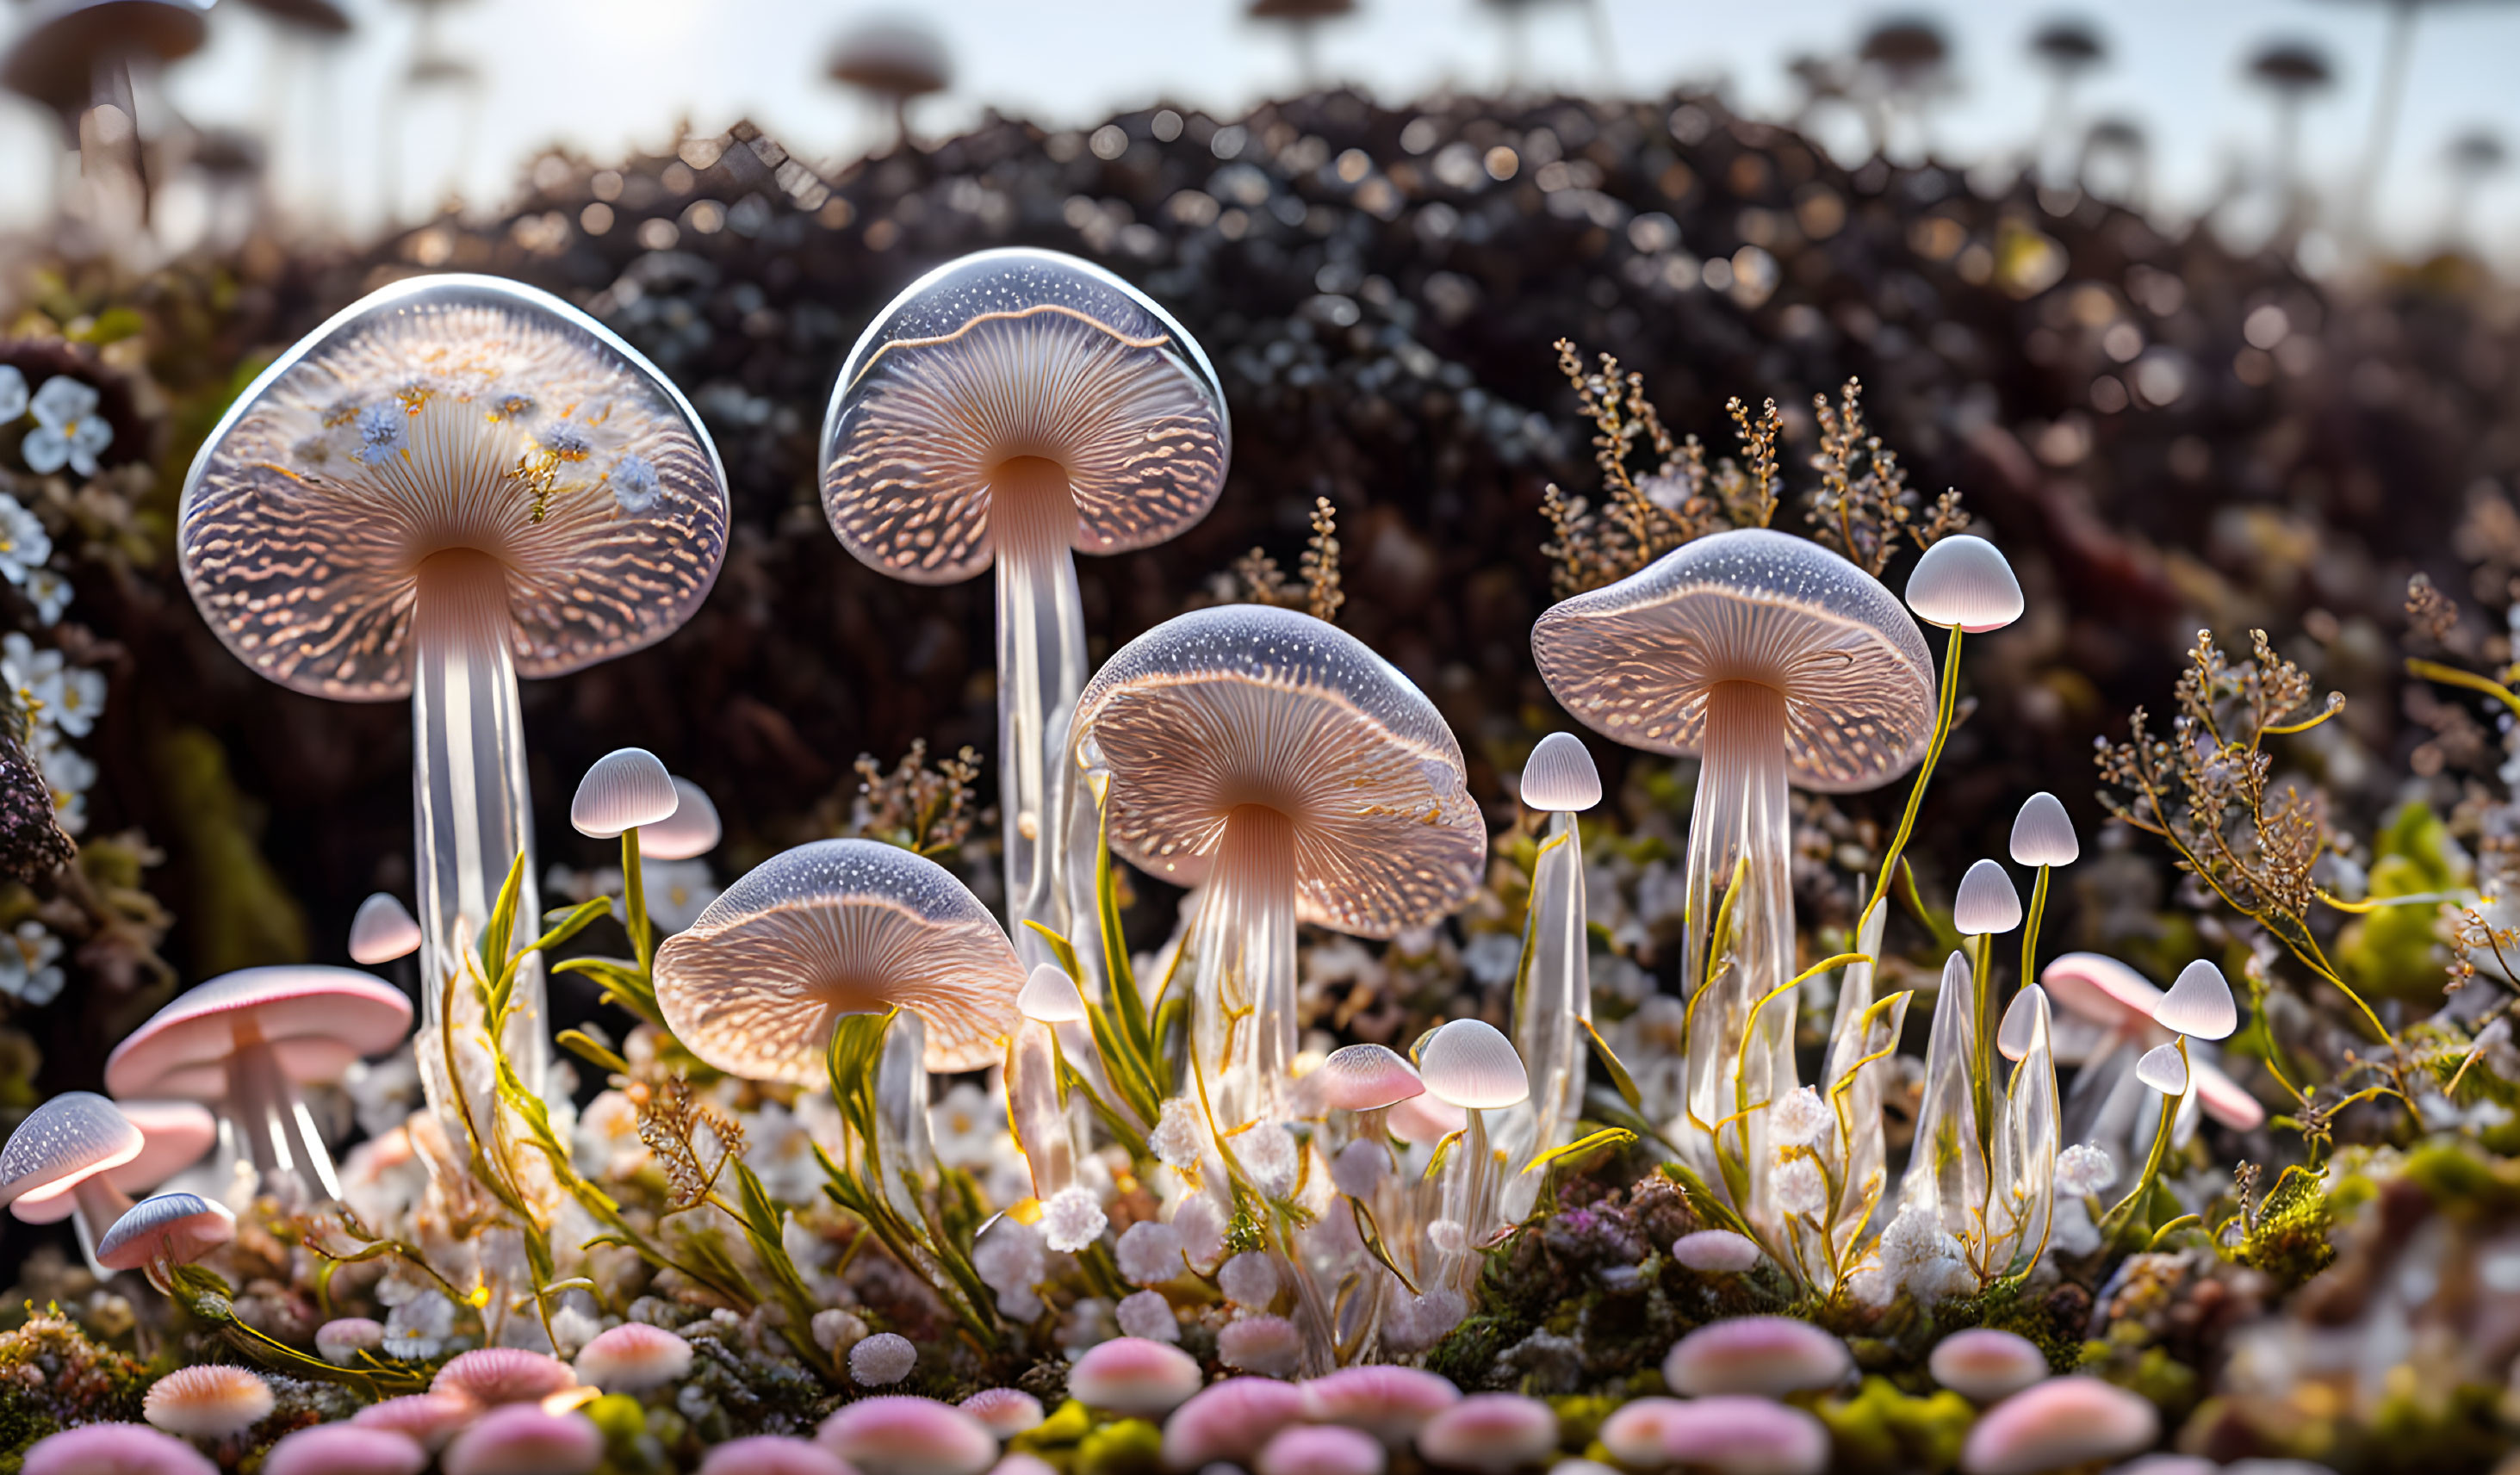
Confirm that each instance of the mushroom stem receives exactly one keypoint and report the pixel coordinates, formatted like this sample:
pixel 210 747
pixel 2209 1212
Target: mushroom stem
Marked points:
pixel 278 1133
pixel 1740 820
pixel 99 1204
pixel 1554 999
pixel 472 806
pixel 1034 1109
pixel 1467 1201
pixel 1041 670
pixel 908 1142
pixel 2115 1220
pixel 1989 1016
pixel 1243 1017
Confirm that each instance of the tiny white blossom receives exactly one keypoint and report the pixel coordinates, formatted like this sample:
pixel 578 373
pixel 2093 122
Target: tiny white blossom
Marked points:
pixel 33 676
pixel 418 1327
pixel 1150 1253
pixel 23 542
pixel 67 429
pixel 1268 1153
pixel 26 969
pixel 635 485
pixel 49 591
pixel 1177 1137
pixel 13 392
pixel 2083 1170
pixel 1072 1220
pixel 966 1125
pixel 83 698
pixel 1798 1185
pixel 384 431
pixel 1802 1119
pixel 68 769
pixel 1009 1257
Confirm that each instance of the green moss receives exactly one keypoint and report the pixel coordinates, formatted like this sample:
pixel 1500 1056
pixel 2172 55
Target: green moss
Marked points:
pixel 77 1382
pixel 2004 1306
pixel 2392 953
pixel 1130 1447
pixel 1882 1429
pixel 1064 1428
pixel 241 915
pixel 2289 1237
pixel 1579 1416
pixel 1470 1349
pixel 2172 1385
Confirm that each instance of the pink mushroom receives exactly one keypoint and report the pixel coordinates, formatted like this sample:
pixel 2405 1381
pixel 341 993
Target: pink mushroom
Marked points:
pixel 2105 992
pixel 429 1420
pixel 207 1401
pixel 1743 1436
pixel 56 1165
pixel 1230 1420
pixel 1136 1376
pixel 1324 1450
pixel 633 1357
pixel 2060 1422
pixel 1390 1403
pixel 344 1450
pixel 1491 1433
pixel 1004 1411
pixel 772 1454
pixel 1766 1356
pixel 504 1375
pixel 169 1228
pixel 247 1041
pixel 897 1434
pixel 520 1439
pixel 114 1450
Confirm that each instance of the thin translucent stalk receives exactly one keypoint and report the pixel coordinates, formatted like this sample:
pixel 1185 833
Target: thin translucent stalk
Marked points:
pixel 1041 669
pixel 1033 1110
pixel 1946 1173
pixel 1852 1079
pixel 1982 1057
pixel 99 1204
pixel 2163 1124
pixel 2030 929
pixel 2022 1210
pixel 1556 995
pixel 1469 1199
pixel 277 1131
pixel 1243 1009
pixel 907 1142
pixel 1740 812
pixel 473 812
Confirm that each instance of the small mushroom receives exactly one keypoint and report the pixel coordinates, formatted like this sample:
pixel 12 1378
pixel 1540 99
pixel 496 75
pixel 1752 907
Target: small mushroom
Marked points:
pixel 1964 583
pixel 1004 1411
pixel 1324 1450
pixel 245 1042
pixel 772 1454
pixel 1716 1252
pixel 114 1450
pixel 504 1375
pixel 207 1401
pixel 61 1153
pixel 1491 1433
pixel 1986 1365
pixel 691 830
pixel 454 481
pixel 633 1357
pixel 894 61
pixel 1471 1064
pixel 1986 902
pixel 1553 1007
pixel 2101 990
pixel 1229 1420
pixel 1274 760
pixel 1390 1403
pixel 1007 410
pixel 174 1137
pixel 523 1439
pixel 624 789
pixel 2057 1424
pixel 2199 1003
pixel 164 1230
pixel 1135 1376
pixel 894 1433
pixel 381 931
pixel 1768 1357
pixel 344 1449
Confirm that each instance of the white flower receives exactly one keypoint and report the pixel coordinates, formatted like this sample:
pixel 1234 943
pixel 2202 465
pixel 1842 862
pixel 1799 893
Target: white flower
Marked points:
pixel 83 698
pixel 2084 1170
pixel 635 485
pixel 13 392
pixel 23 542
pixel 68 769
pixel 1798 1187
pixel 1268 1153
pixel 836 1330
pixel 26 970
pixel 608 1147
pixel 1072 1220
pixel 966 1125
pixel 33 676
pixel 418 1327
pixel 1802 1119
pixel 67 429
pixel 1009 1258
pixel 677 891
pixel 383 429
pixel 49 591
pixel 1146 1313
pixel 1177 1137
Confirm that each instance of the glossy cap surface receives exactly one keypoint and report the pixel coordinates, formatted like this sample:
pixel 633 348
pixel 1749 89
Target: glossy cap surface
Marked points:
pixel 2043 833
pixel 626 789
pixel 180 1226
pixel 69 1137
pixel 691 830
pixel 1469 1063
pixel 1986 901
pixel 1964 581
pixel 316 1020
pixel 382 929
pixel 1560 777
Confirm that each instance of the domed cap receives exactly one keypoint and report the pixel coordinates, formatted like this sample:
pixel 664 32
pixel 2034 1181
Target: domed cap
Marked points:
pixel 504 1375
pixel 524 1438
pixel 627 788
pixel 1366 1077
pixel 2060 1423
pixel 436 415
pixel 907 1436
pixel 693 828
pixel 1490 1432
pixel 1050 996
pixel 632 1358
pixel 344 1449
pixel 114 1450
pixel 2021 1026
pixel 2099 988
pixel 1135 1376
pixel 207 1401
pixel 755 985
pixel 1252 704
pixel 56 58
pixel 891 57
pixel 381 931
pixel 1008 354
pixel 1637 660
pixel 317 1020
pixel 174 1137
pixel 181 1228
pixel 1471 1065
pixel 1964 581
pixel 1560 778
pixel 2042 834
pixel 1986 902
pixel 1768 1357
pixel 65 1140
pixel 1388 1402
pixel 1984 1365
pixel 2199 1003
pixel 2162 1069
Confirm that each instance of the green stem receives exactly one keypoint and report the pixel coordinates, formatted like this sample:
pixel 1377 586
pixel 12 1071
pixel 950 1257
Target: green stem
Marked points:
pixel 2030 929
pixel 1982 1066
pixel 633 900
pixel 2115 1219
pixel 1943 709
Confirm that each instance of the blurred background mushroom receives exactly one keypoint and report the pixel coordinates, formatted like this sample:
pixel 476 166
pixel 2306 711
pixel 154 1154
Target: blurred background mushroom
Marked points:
pixel 1301 20
pixel 2292 72
pixel 88 62
pixel 893 62
pixel 1905 68
pixel 2069 48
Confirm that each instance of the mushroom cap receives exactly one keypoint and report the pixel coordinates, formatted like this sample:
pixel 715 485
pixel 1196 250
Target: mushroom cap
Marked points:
pixel 626 789
pixel 897 1434
pixel 1490 1432
pixel 633 1357
pixel 1136 1376
pixel 1984 1365
pixel 520 1439
pixel 1326 1450
pixel 1716 1251
pixel 1471 1065
pixel 504 1375
pixel 1425 1118
pixel 316 1019
pixel 432 1419
pixel 882 1360
pixel 1766 1356
pixel 114 1450
pixel 1637 660
pixel 1050 996
pixel 54 57
pixel 2199 1003
pixel 691 830
pixel 2062 1421
pixel 1008 354
pixel 1559 777
pixel 1388 1402
pixel 341 1339
pixel 1263 1344
pixel 175 1136
pixel 68 1138
pixel 2043 833
pixel 1366 1077
pixel 439 414
pixel 344 1449
pixel 1986 901
pixel 1249 704
pixel 1229 1420
pixel 1963 580
pixel 182 1226
pixel 207 1401
pixel 1004 1411
pixel 1724 1435
pixel 2164 1071
pixel 892 56
pixel 835 928
pixel 772 1454
pixel 382 929
pixel 2102 990
pixel 2020 1022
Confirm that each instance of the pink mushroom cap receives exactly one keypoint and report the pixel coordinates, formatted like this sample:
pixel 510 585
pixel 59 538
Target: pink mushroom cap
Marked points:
pixel 180 1226
pixel 1425 1120
pixel 345 1450
pixel 1365 1077
pixel 114 1450
pixel 1134 1375
pixel 1716 1252
pixel 1731 1435
pixel 2106 992
pixel 772 1454
pixel 1986 1365
pixel 430 1418
pixel 633 1357
pixel 64 1142
pixel 1390 1403
pixel 520 1439
pixel 1491 1433
pixel 1322 1450
pixel 1004 1411
pixel 898 1434
pixel 316 1021
pixel 504 1375
pixel 1765 1356
pixel 1230 1420
pixel 2062 1421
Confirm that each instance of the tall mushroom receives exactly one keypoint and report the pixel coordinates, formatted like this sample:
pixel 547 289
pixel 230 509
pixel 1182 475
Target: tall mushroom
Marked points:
pixel 454 481
pixel 1553 1008
pixel 1010 409
pixel 246 1041
pixel 1776 662
pixel 1297 774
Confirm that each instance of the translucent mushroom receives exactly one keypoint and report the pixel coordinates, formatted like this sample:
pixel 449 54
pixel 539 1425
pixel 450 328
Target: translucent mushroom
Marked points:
pixel 691 830
pixel 2098 990
pixel 1471 1064
pixel 1985 904
pixel 2199 1003
pixel 381 931
pixel 2043 836
pixel 1776 662
pixel 174 1137
pixel 1554 1006
pixel 1272 759
pixel 164 1230
pixel 61 1153
pixel 246 1041
pixel 455 481
pixel 622 792
pixel 77 57
pixel 1009 409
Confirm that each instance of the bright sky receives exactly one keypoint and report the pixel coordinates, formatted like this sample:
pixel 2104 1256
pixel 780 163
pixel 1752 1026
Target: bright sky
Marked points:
pixel 605 75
